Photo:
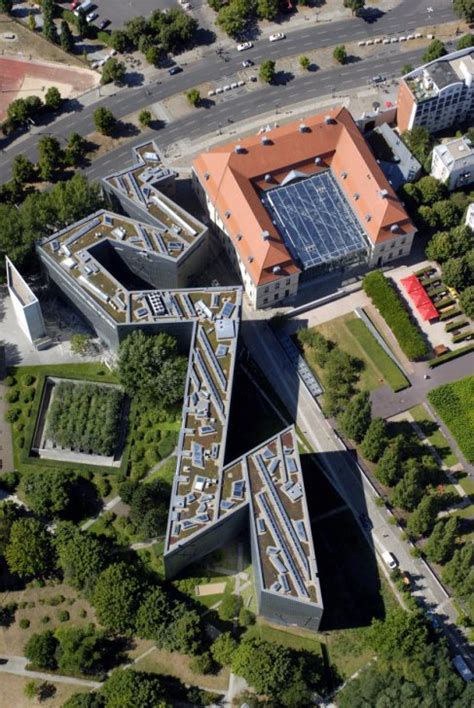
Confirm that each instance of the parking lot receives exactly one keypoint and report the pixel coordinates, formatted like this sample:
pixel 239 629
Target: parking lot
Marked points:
pixel 119 12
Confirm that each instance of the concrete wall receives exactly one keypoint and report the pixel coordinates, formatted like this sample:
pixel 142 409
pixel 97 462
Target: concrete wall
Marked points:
pixel 213 537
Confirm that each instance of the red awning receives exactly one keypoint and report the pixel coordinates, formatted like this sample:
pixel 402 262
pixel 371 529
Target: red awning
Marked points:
pixel 411 283
pixel 428 311
pixel 419 298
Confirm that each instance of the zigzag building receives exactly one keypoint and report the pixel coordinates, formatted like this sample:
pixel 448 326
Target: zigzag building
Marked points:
pixel 121 273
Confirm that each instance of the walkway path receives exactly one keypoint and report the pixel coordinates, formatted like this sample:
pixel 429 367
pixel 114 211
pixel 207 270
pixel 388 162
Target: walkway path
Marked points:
pixel 17 665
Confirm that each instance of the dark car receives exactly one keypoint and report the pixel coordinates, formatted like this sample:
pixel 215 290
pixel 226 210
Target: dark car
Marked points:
pixel 104 24
pixel 366 522
pixel 174 70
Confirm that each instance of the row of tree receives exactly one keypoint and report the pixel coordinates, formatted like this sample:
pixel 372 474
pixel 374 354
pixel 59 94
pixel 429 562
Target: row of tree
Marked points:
pixel 85 417
pixel 23 110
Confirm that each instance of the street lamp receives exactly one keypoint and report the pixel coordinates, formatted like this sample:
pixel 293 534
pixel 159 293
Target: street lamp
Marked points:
pixel 277 106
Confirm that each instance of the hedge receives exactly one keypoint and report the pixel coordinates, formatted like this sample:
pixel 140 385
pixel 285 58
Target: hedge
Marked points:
pixel 391 307
pixel 449 356
pixel 457 324
pixel 452 312
pixel 461 337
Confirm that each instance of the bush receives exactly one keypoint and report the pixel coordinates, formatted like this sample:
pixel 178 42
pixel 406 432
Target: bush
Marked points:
pixel 9 381
pixel 202 663
pixel 63 615
pixel 24 623
pixel 391 307
pixel 246 618
pixel 28 380
pixel 230 607
pixel 12 415
pixel 13 396
pixel 28 395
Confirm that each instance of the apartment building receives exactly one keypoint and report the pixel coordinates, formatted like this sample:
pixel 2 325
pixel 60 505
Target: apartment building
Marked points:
pixel 438 95
pixel 453 163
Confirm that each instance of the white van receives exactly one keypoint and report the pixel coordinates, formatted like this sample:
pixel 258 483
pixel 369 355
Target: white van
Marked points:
pixel 389 560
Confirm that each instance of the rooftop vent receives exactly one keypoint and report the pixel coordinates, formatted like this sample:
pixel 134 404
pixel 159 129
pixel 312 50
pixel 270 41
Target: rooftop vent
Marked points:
pixel 265 140
pixel 268 178
pixel 239 237
pixel 227 213
pixel 206 176
pixel 250 259
pixel 266 235
pixel 394 228
pixel 238 149
pixel 356 195
pixel 368 217
pixel 343 175
pixel 384 193
pixel 303 128
pixel 276 269
pixel 328 120
pixel 317 160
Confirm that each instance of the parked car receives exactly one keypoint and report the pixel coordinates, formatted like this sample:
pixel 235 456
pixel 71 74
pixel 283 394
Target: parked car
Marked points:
pixel 366 522
pixel 247 63
pixel 389 560
pixel 92 16
pixel 104 24
pixel 74 4
pixel 175 70
pixel 275 37
pixel 377 79
pixel 243 46
pixel 463 669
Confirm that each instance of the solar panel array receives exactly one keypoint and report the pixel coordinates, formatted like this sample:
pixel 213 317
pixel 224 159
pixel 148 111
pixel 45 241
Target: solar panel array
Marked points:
pixel 202 336
pixel 315 220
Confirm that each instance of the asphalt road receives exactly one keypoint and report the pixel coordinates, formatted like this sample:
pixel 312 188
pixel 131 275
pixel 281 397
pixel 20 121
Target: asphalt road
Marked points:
pixel 213 66
pixel 343 472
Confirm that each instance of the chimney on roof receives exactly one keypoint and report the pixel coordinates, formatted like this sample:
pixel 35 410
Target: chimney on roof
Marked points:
pixel 394 228
pixel 250 259
pixel 268 178
pixel 303 128
pixel 343 175
pixel 384 193
pixel 266 235
pixel 356 196
pixel 317 160
pixel 206 176
pixel 239 237
pixel 265 140
pixel 328 120
pixel 227 213
pixel 238 149
pixel 368 217
pixel 276 269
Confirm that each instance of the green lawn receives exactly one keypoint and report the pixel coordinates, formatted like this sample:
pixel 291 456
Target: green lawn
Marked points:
pixel 165 471
pixel 378 358
pixel 353 337
pixel 453 403
pixel 434 435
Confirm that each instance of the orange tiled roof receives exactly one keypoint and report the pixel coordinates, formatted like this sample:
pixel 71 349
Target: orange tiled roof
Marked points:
pixel 233 179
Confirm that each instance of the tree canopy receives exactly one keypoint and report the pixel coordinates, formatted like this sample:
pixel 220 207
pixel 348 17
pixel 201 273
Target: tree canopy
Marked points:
pixel 116 597
pixel 81 556
pixel 434 51
pixel 464 9
pixel 440 545
pixel 151 368
pixel 356 417
pixel 375 440
pixel 40 650
pixel 48 493
pixel 29 551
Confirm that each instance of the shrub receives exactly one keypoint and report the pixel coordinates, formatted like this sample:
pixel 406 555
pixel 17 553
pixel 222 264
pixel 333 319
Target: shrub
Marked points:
pixel 246 618
pixel 12 415
pixel 391 307
pixel 13 396
pixel 28 395
pixel 63 615
pixel 9 381
pixel 45 619
pixel 202 663
pixel 24 623
pixel 28 380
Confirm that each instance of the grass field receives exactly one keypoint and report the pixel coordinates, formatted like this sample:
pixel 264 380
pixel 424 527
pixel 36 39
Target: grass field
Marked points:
pixel 453 402
pixel 12 695
pixel 353 337
pixel 169 663
pixel 434 435
pixel 378 357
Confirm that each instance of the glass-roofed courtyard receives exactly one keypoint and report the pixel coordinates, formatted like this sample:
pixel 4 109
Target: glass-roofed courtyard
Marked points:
pixel 315 221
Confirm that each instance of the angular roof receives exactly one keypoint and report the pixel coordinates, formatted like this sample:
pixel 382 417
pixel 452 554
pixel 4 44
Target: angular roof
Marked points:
pixel 233 176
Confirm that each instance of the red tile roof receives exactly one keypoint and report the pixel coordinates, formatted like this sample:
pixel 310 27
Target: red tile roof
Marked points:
pixel 233 175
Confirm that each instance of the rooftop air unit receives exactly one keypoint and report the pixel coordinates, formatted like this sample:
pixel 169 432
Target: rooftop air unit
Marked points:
pixel 268 178
pixel 238 149
pixel 265 140
pixel 276 269
pixel 394 228
pixel 317 160
pixel 266 235
pixel 328 120
pixel 384 193
pixel 303 128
